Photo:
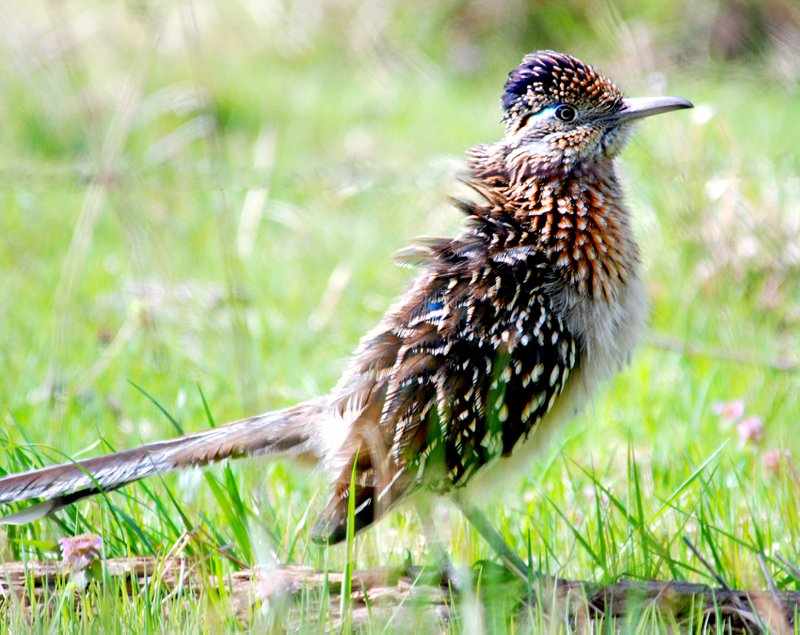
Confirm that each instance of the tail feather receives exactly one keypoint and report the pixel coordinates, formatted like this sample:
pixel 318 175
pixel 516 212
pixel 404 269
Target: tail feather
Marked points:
pixel 288 432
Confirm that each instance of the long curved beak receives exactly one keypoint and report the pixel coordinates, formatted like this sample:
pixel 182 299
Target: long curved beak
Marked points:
pixel 638 107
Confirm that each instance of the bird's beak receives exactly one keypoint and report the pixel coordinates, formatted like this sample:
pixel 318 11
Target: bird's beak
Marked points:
pixel 638 107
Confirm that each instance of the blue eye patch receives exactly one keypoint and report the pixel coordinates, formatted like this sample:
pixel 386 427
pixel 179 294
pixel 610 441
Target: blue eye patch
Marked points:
pixel 544 113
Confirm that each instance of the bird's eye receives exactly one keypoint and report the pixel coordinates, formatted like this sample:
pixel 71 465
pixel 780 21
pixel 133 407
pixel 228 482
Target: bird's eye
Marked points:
pixel 566 112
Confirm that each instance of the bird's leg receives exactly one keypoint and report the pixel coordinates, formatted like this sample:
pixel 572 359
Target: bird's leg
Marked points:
pixel 445 568
pixel 508 556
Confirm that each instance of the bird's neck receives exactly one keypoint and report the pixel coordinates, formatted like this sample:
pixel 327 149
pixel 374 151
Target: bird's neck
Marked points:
pixel 576 216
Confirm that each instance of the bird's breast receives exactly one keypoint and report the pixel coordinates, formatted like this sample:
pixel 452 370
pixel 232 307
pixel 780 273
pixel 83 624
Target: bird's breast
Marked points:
pixel 607 331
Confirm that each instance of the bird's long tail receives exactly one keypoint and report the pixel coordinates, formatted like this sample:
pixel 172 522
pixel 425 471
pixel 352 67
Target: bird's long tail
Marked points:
pixel 290 432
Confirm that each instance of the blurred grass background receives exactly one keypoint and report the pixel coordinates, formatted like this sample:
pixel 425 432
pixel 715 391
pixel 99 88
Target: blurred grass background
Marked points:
pixel 204 198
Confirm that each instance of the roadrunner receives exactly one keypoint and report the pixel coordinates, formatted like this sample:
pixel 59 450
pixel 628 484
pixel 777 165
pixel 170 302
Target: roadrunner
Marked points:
pixel 504 333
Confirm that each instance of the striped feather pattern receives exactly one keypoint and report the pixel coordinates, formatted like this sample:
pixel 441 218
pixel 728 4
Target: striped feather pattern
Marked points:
pixel 283 432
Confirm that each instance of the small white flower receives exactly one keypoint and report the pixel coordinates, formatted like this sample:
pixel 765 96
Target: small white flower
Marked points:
pixel 702 114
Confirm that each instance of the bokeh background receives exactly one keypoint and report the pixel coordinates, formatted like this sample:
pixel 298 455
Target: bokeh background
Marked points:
pixel 201 199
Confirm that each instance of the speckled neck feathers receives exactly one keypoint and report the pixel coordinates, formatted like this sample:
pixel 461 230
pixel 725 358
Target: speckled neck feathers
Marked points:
pixel 576 217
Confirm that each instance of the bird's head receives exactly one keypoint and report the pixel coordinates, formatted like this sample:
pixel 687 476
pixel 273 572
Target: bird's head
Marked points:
pixel 560 112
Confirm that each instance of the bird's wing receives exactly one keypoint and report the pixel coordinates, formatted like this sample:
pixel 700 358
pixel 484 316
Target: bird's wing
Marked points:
pixel 484 359
pixel 470 360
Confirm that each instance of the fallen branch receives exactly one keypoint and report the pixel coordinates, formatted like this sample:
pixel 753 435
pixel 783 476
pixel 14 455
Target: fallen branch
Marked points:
pixel 381 593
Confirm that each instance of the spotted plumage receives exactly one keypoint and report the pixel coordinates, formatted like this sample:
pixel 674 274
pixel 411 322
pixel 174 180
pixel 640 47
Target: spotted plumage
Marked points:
pixel 504 332
pixel 474 356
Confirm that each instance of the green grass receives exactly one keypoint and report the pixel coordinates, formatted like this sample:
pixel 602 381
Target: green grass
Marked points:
pixel 140 292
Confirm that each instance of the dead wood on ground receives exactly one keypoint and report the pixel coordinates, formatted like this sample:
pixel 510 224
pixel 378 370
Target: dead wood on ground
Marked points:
pixel 385 593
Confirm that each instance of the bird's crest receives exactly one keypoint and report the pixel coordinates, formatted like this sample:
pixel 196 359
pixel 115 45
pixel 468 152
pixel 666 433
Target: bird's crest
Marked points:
pixel 546 77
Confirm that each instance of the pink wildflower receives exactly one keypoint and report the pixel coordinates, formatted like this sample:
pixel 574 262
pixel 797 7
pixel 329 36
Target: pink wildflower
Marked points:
pixel 729 411
pixel 774 461
pixel 80 551
pixel 750 429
